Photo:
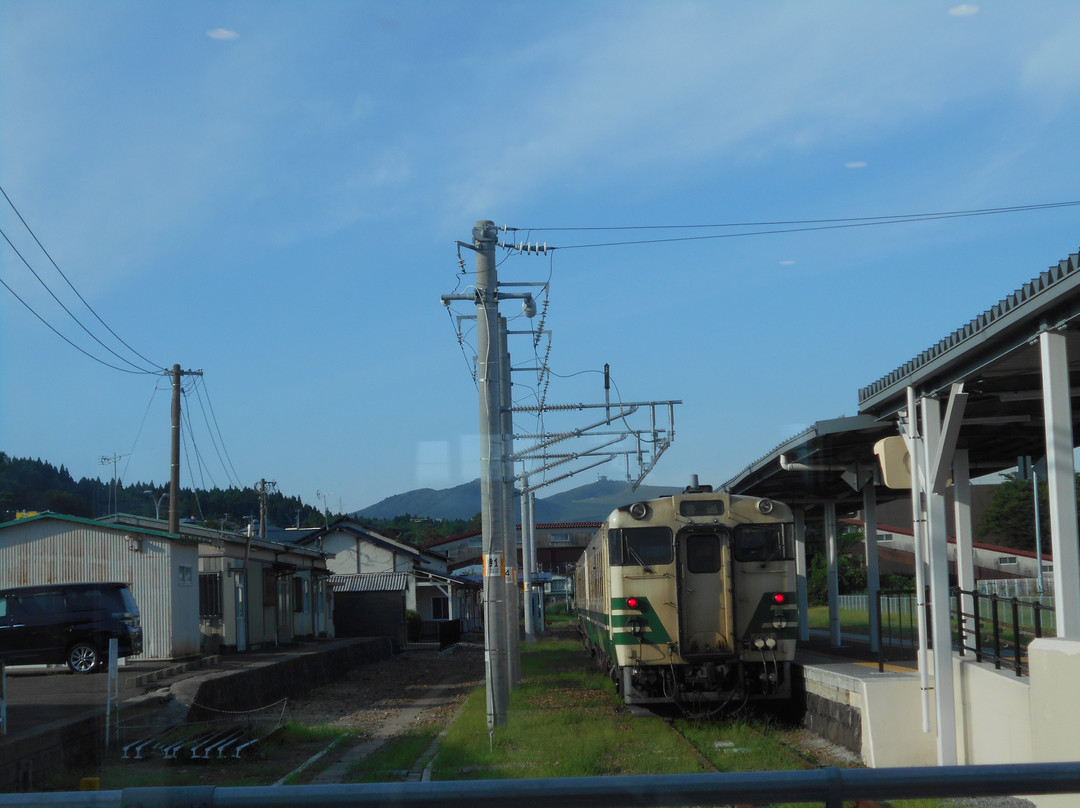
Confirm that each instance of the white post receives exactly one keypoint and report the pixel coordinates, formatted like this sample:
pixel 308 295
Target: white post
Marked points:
pixel 800 574
pixel 1061 482
pixel 918 524
pixel 965 554
pixel 941 629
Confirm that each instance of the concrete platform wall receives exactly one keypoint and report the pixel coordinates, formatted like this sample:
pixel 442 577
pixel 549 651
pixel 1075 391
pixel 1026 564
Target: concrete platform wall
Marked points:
pixel 78 745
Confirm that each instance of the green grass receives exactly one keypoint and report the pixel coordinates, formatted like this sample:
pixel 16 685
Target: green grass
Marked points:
pixel 391 762
pixel 564 720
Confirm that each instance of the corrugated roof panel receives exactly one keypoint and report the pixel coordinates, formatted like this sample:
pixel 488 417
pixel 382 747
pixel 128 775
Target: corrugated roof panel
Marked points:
pixel 370 582
pixel 1044 285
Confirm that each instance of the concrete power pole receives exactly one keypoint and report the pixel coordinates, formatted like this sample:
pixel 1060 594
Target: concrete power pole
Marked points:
pixel 513 600
pixel 491 475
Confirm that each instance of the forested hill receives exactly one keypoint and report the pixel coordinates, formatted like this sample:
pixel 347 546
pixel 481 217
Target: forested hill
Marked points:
pixel 37 485
pixel 1008 517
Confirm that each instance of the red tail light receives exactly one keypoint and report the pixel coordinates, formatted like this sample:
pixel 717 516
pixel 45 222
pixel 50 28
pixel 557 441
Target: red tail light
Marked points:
pixel 635 603
pixel 778 598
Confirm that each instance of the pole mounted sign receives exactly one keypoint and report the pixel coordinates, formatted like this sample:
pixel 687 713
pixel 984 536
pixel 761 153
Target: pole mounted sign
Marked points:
pixel 493 566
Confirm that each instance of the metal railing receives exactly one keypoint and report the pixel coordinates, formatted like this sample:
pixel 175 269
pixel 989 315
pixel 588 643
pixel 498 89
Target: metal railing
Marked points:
pixel 986 633
pixel 996 628
pixel 830 787
pixel 898 626
pixel 439 634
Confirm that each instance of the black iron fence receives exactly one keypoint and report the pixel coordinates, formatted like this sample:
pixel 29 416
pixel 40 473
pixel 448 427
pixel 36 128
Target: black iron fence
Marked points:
pixel 998 629
pixel 434 634
pixel 993 628
pixel 898 625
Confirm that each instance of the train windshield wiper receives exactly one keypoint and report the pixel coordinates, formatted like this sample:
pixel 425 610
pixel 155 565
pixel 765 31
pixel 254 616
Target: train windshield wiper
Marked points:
pixel 644 567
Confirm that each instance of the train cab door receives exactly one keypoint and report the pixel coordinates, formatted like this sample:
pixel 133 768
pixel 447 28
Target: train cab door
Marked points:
pixel 704 582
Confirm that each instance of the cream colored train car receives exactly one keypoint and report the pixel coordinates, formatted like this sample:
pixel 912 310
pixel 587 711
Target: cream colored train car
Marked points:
pixel 691 599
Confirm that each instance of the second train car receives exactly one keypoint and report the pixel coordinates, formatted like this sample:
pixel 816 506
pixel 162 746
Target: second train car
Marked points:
pixel 691 599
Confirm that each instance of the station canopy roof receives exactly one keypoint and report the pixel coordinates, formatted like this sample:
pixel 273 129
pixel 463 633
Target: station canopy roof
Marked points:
pixel 996 356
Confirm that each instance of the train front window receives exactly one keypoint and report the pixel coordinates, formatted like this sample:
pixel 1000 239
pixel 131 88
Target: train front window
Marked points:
pixel 702 553
pixel 760 543
pixel 642 546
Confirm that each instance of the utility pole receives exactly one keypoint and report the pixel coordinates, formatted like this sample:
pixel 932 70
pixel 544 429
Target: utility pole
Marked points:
pixel 174 467
pixel 264 488
pixel 506 489
pixel 491 451
pixel 500 599
pixel 106 461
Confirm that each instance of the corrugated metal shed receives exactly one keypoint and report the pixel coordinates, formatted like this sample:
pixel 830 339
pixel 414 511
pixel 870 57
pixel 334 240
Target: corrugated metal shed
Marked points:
pixel 161 569
pixel 370 582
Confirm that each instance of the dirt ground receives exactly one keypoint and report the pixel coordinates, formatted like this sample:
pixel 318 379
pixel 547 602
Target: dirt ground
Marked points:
pixel 372 696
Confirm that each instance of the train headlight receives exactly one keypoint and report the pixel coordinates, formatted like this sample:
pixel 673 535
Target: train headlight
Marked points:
pixel 639 510
pixel 765 506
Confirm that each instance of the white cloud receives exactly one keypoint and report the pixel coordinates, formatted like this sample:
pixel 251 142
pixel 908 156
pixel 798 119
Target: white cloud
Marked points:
pixel 787 263
pixel 222 33
pixel 855 164
pixel 963 10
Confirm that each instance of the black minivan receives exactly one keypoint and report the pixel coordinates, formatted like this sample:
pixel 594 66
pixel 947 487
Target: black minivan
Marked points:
pixel 70 623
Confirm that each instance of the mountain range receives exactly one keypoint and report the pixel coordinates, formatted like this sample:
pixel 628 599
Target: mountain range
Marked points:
pixel 588 503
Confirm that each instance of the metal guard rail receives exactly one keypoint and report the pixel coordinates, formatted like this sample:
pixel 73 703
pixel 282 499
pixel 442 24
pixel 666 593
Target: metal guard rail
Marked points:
pixel 831 786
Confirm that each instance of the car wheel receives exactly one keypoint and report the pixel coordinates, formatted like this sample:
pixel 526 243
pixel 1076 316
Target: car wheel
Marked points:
pixel 82 658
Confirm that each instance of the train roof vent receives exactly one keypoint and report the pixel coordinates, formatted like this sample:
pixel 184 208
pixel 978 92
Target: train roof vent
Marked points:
pixel 695 488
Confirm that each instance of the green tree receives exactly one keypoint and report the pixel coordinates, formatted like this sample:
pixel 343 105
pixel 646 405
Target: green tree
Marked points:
pixel 1009 518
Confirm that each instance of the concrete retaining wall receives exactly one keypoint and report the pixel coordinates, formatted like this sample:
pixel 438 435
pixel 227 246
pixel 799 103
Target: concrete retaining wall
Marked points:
pixel 262 684
pixel 78 745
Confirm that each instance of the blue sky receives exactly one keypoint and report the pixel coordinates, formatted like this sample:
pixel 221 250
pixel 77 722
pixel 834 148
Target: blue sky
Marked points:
pixel 271 192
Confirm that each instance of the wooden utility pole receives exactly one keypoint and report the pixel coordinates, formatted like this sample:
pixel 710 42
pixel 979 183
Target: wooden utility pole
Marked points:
pixel 174 467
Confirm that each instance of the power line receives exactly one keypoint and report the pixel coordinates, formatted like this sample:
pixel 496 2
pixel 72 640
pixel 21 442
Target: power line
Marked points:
pixel 73 289
pixel 65 339
pixel 789 226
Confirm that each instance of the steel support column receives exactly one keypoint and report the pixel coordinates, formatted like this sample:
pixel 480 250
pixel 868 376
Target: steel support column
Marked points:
pixel 832 559
pixel 965 554
pixel 937 551
pixel 873 582
pixel 800 574
pixel 1061 482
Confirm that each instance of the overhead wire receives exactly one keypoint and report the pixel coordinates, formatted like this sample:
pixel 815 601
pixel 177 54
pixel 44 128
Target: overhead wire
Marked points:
pixel 65 339
pixel 232 477
pixel 154 368
pixel 790 226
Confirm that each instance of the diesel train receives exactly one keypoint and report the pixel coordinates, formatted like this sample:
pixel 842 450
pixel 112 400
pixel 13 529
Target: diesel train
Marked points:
pixel 691 599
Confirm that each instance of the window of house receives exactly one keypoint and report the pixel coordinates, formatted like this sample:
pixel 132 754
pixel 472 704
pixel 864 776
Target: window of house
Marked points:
pixel 210 594
pixel 186 575
pixel 1007 561
pixel 560 538
pixel 298 589
pixel 269 593
pixel 440 609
